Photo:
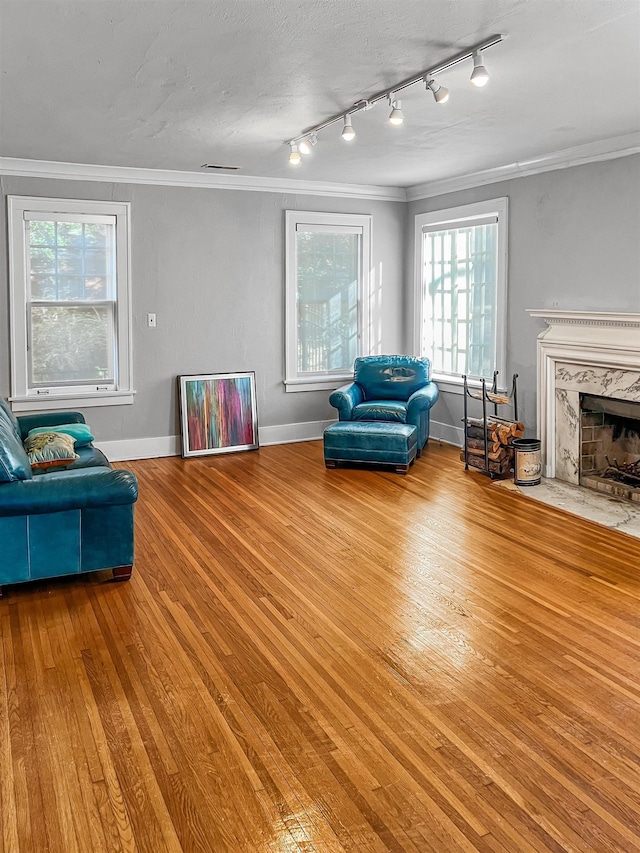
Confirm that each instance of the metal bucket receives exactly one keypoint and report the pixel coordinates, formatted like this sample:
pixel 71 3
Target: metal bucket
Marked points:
pixel 527 464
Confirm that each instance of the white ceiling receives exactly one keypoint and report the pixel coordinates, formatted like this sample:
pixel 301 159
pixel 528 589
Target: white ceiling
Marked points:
pixel 172 85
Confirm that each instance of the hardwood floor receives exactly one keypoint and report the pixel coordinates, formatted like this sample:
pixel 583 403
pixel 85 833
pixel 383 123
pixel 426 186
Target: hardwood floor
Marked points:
pixel 311 660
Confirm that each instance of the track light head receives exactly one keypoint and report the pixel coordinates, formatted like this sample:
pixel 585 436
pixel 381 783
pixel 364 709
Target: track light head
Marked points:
pixel 348 133
pixel 294 156
pixel 305 146
pixel 440 94
pixel 396 116
pixel 479 75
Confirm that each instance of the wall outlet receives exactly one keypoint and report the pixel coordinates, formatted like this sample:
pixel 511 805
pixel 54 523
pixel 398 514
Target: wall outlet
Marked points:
pixel 151 321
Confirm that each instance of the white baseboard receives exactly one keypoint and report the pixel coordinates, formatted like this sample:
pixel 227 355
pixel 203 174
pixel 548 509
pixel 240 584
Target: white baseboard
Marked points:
pixel 288 433
pixel 447 433
pixel 140 448
pixel 170 445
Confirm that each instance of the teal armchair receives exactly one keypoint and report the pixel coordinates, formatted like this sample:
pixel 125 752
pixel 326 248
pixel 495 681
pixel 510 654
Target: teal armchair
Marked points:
pixel 389 388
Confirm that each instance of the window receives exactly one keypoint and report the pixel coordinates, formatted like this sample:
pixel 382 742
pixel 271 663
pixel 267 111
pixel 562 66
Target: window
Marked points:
pixel 327 281
pixel 70 302
pixel 461 259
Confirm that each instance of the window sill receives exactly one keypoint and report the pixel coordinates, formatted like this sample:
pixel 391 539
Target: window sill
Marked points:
pixel 455 385
pixel 51 402
pixel 321 383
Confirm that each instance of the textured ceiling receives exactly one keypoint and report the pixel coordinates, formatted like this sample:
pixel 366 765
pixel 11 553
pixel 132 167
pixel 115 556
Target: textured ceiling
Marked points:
pixel 173 85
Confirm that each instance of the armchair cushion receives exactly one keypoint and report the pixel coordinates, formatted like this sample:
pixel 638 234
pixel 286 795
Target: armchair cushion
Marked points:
pixel 380 410
pixel 390 377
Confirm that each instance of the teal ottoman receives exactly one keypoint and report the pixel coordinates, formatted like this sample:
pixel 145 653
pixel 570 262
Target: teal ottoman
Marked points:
pixel 371 442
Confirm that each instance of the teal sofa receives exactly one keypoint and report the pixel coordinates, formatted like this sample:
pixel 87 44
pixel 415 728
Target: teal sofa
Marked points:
pixel 391 388
pixel 66 521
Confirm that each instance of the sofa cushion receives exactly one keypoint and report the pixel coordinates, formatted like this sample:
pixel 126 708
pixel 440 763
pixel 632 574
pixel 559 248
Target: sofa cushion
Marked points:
pixel 86 457
pixel 89 457
pixel 80 432
pixel 380 410
pixel 50 450
pixel 47 419
pixel 14 463
pixel 5 412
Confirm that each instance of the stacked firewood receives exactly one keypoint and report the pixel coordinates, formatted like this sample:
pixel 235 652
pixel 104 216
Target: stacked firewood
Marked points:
pixel 500 435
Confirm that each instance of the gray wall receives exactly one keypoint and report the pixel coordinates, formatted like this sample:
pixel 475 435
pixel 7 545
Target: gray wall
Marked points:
pixel 209 263
pixel 574 244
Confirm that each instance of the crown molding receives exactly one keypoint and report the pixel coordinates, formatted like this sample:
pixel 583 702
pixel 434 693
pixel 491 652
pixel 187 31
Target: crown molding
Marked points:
pixel 166 177
pixel 591 152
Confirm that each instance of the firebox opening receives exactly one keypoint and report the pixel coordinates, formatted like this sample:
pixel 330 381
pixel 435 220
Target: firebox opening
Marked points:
pixel 610 446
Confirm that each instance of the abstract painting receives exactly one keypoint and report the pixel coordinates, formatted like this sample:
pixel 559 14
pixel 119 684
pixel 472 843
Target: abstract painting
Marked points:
pixel 218 413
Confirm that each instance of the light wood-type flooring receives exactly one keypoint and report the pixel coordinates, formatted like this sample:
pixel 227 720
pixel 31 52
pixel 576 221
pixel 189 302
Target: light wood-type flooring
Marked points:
pixel 311 660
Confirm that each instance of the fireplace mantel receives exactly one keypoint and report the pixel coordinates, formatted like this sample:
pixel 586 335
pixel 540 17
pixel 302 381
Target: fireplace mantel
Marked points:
pixel 593 348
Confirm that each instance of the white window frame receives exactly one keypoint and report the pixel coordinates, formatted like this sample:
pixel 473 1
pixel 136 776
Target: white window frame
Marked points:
pixel 457 217
pixel 325 380
pixel 23 398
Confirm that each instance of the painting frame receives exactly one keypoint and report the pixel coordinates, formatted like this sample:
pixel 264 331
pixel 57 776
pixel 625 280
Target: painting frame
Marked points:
pixel 218 413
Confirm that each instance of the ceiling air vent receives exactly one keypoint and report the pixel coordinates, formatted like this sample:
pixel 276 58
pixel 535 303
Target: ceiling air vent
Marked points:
pixel 214 166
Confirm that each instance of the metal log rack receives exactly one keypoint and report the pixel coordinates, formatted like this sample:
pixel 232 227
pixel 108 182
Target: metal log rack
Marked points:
pixel 488 397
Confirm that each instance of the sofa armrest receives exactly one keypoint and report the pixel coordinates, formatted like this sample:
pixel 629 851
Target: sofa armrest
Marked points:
pixel 48 419
pixel 421 400
pixel 345 398
pixel 68 490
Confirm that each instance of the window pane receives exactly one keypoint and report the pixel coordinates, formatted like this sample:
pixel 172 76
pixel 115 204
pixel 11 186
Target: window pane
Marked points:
pixel 71 344
pixel 459 296
pixel 95 262
pixel 43 286
pixel 42 233
pixel 70 287
pixel 95 235
pixel 71 261
pixel 43 260
pixel 69 233
pixel 328 275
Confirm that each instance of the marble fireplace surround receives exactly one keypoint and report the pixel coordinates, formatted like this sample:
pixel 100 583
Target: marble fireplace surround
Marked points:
pixel 581 352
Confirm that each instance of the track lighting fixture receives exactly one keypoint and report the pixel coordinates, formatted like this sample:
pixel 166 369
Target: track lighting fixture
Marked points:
pixel 305 146
pixel 294 156
pixel 348 133
pixel 440 94
pixel 479 77
pixel 396 116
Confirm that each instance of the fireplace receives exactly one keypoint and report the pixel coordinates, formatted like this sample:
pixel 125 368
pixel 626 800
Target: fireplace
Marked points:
pixel 583 357
pixel 610 446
